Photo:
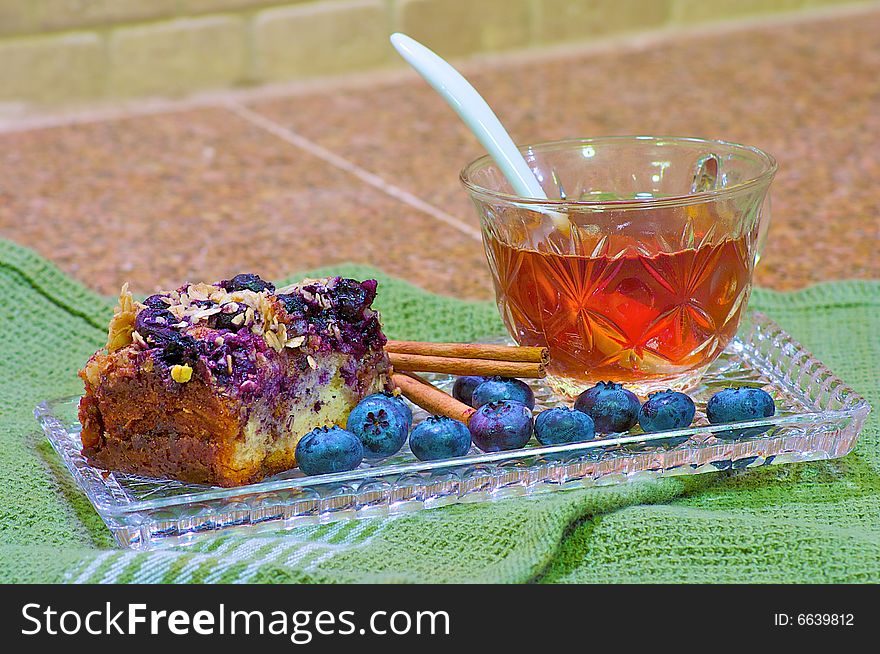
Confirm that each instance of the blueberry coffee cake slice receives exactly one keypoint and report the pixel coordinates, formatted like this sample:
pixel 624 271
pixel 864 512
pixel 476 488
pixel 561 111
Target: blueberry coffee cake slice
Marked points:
pixel 216 383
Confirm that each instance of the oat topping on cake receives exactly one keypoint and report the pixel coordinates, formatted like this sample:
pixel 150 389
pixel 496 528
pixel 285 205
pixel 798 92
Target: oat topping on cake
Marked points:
pixel 122 324
pixel 229 324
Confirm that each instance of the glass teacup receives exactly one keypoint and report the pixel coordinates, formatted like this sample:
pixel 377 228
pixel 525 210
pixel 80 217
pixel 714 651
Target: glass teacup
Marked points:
pixel 638 268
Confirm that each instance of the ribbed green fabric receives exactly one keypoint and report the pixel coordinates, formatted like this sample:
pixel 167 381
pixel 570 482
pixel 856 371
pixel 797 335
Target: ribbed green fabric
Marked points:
pixel 808 522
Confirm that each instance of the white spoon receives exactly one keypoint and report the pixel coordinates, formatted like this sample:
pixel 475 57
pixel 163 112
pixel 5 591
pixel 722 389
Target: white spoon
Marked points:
pixel 479 118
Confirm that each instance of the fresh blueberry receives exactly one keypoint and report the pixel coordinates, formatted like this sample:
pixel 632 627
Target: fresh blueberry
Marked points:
pixel 248 282
pixel 439 437
pixel 667 410
pixel 400 403
pixel 612 407
pixel 381 425
pixel 463 388
pixel 328 449
pixel 496 389
pixel 504 425
pixel 736 405
pixel 403 407
pixel 563 425
pixel 397 402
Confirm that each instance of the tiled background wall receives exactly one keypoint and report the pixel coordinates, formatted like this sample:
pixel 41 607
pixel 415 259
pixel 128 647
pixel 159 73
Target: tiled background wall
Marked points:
pixel 72 50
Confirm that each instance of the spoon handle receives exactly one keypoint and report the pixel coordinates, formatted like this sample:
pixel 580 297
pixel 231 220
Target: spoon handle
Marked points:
pixel 474 111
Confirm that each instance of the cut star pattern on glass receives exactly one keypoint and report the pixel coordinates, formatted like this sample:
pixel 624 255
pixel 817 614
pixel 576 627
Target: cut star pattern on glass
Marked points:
pixel 633 312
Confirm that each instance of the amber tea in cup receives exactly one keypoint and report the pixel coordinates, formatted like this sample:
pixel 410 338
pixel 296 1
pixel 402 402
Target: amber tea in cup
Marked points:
pixel 648 276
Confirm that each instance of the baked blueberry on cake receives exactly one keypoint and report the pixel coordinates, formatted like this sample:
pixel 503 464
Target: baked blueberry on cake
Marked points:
pixel 216 383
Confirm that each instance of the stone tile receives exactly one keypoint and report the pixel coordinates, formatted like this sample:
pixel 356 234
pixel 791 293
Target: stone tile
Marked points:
pixel 807 93
pixel 203 194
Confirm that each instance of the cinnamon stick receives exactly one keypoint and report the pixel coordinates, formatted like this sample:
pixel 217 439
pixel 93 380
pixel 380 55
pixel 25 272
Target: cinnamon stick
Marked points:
pixel 472 351
pixel 459 366
pixel 430 398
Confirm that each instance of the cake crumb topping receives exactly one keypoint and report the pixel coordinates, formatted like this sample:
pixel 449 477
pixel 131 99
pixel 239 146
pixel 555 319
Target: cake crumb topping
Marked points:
pixel 119 334
pixel 233 327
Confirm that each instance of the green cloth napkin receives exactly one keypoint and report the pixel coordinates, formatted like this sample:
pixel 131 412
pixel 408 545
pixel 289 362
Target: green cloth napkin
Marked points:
pixel 816 522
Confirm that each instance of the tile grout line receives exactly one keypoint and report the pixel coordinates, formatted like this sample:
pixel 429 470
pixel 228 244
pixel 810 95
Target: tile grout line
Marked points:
pixel 297 140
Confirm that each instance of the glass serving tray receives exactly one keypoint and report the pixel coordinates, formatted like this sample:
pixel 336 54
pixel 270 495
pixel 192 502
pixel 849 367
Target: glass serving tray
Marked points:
pixel 818 417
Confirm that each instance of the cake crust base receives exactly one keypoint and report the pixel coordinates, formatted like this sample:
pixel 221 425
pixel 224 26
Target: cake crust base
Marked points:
pixel 135 422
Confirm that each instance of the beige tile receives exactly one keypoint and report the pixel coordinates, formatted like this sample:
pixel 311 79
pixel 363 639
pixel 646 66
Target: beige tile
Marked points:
pixel 697 11
pixel 35 16
pixel 563 20
pixel 457 27
pixel 319 38
pixel 209 6
pixel 177 56
pixel 50 68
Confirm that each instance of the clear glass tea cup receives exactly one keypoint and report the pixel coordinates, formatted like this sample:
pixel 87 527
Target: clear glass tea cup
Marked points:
pixel 638 267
